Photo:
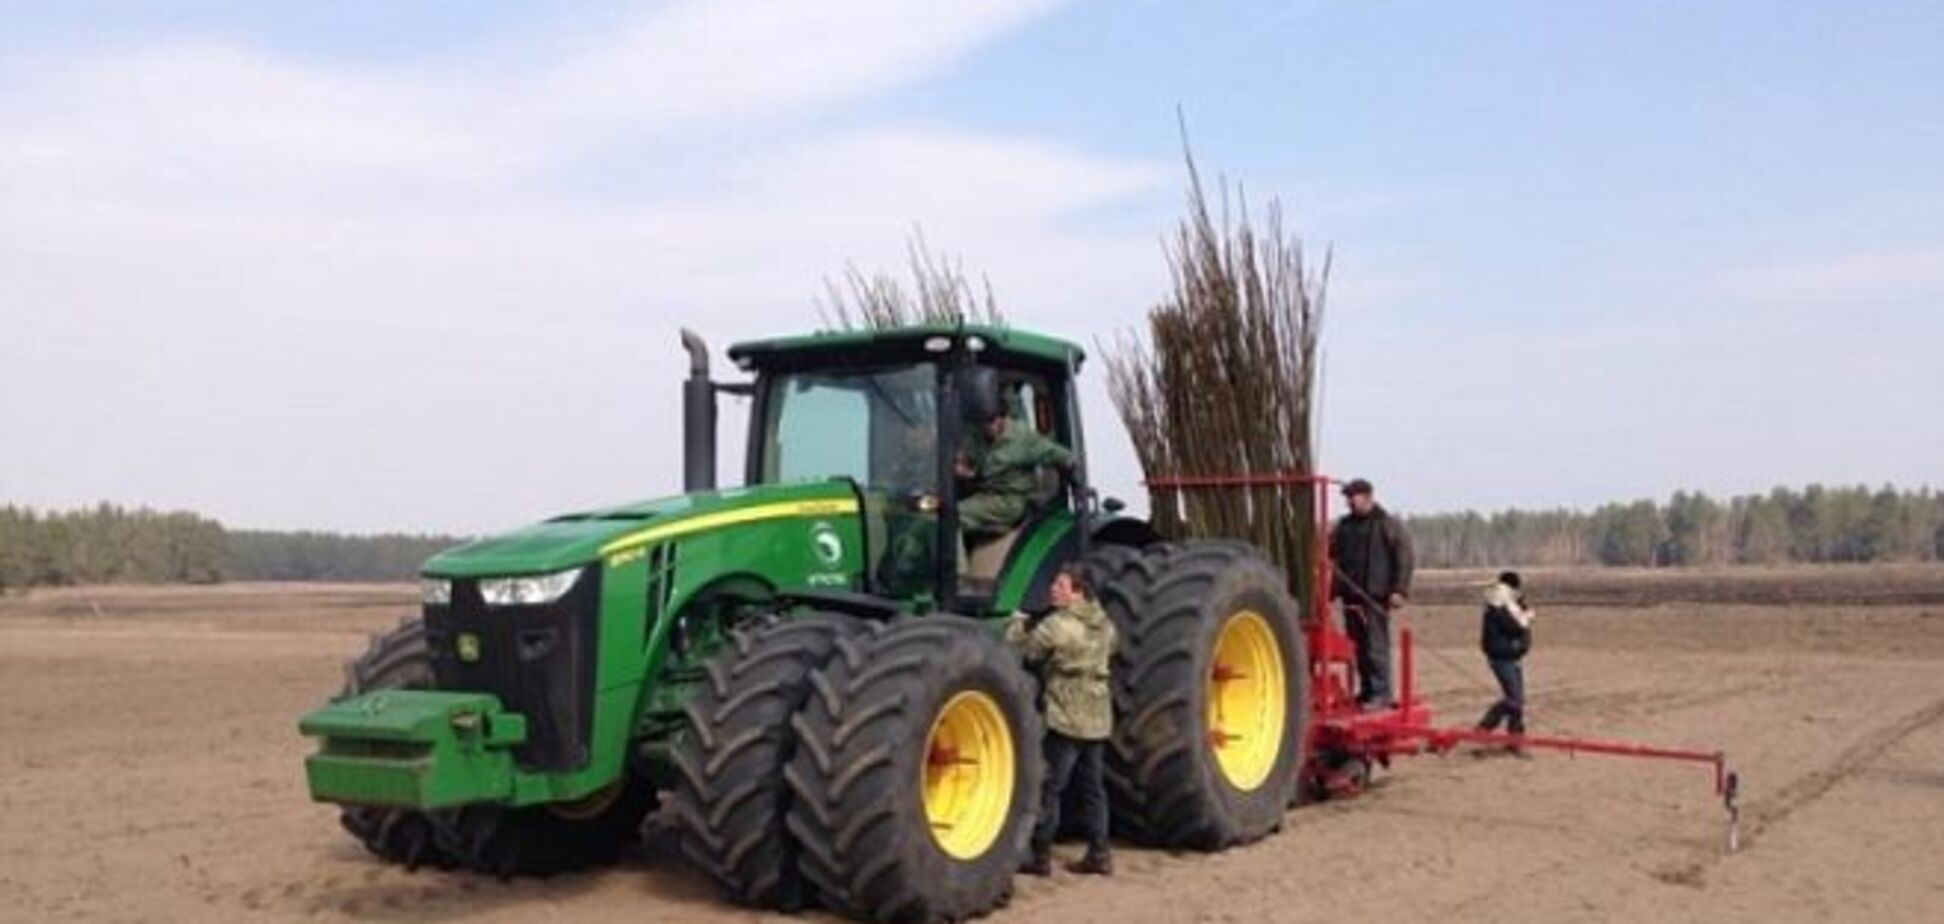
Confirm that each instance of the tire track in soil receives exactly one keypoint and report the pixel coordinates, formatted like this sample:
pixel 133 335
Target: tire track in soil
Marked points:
pixel 1815 784
pixel 1758 817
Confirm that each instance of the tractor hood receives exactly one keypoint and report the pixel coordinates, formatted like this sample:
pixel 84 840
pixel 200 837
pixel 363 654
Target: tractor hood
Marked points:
pixel 580 538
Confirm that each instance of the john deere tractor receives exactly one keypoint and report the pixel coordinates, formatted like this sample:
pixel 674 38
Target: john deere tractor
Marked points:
pixel 806 671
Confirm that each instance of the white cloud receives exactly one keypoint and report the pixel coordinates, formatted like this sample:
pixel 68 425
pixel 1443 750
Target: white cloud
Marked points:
pixel 702 60
pixel 188 120
pixel 216 124
pixel 281 275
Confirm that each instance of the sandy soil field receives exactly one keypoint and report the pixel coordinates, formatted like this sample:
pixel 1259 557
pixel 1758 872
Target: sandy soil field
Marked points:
pixel 150 770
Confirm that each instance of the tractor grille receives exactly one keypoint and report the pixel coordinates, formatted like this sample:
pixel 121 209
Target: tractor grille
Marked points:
pixel 539 661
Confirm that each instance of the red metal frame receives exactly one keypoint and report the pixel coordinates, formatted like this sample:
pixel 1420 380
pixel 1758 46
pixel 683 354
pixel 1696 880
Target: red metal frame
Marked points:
pixel 1346 742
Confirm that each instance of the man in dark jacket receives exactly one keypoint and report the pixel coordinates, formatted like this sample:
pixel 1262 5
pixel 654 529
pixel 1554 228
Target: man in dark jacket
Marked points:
pixel 1374 564
pixel 1505 634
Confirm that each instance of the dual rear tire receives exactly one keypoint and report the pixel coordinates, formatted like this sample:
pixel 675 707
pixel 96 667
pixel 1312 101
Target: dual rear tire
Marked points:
pixel 889 772
pixel 917 775
pixel 730 797
pixel 906 785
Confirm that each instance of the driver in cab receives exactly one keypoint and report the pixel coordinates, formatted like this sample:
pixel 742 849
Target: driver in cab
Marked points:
pixel 998 469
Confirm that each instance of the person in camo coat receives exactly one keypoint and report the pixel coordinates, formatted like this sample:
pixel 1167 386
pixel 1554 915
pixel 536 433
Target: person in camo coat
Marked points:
pixel 1072 647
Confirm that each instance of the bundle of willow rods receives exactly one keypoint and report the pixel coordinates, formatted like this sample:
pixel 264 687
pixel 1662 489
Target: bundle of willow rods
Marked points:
pixel 1226 383
pixel 939 294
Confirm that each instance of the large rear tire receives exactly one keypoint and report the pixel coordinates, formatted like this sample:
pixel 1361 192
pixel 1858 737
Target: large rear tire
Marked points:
pixel 917 774
pixel 730 798
pixel 1210 692
pixel 396 660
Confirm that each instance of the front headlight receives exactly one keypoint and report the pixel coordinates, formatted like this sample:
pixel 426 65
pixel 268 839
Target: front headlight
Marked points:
pixel 435 591
pixel 529 590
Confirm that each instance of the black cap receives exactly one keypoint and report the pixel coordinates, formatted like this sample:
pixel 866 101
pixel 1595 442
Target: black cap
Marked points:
pixel 1357 486
pixel 1509 579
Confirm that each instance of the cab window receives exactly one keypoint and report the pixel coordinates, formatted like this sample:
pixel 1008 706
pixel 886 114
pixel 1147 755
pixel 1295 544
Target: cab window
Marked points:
pixel 877 427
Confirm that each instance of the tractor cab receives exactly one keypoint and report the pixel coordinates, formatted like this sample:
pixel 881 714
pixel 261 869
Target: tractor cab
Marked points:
pixel 893 414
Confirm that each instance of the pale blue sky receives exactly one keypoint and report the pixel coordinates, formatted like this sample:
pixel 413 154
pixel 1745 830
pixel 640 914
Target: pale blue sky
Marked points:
pixel 380 265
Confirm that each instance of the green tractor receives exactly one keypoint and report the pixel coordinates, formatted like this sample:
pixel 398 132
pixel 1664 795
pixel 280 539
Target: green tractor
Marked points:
pixel 806 672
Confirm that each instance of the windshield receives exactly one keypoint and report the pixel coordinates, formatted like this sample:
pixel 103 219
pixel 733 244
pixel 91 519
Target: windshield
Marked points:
pixel 876 426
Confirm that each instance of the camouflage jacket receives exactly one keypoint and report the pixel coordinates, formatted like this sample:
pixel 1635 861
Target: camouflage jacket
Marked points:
pixel 1008 464
pixel 1072 648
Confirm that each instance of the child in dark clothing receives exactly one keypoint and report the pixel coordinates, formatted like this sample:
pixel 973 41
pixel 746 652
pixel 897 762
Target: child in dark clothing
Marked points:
pixel 1505 634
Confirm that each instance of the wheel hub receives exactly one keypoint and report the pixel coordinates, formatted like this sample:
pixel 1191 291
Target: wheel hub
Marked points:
pixel 1247 700
pixel 968 776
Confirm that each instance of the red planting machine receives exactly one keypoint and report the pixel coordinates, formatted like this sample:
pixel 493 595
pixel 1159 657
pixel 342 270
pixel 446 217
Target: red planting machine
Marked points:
pixel 1348 741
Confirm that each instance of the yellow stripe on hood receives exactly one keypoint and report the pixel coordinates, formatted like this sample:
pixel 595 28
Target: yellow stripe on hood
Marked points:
pixel 804 508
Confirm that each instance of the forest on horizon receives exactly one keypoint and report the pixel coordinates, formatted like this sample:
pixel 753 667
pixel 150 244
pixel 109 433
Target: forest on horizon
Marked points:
pixel 110 544
pixel 1786 525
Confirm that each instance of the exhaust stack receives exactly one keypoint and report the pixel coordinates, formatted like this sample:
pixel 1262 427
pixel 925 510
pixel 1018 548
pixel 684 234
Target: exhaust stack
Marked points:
pixel 698 418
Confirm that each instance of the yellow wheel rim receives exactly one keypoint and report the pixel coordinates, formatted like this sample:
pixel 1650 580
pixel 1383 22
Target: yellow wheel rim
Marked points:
pixel 1247 699
pixel 967 779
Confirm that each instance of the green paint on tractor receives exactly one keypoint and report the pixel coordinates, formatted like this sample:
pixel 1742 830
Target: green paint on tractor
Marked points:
pixel 675 573
pixel 759 540
pixel 413 748
pixel 560 676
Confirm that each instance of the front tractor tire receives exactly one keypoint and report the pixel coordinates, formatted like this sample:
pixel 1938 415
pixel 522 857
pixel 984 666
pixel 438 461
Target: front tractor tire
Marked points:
pixel 1211 694
pixel 504 842
pixel 730 798
pixel 396 660
pixel 917 774
pixel 544 840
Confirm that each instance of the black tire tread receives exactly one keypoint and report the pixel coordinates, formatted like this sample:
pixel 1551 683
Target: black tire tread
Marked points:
pixel 730 798
pixel 848 785
pixel 395 660
pixel 1157 597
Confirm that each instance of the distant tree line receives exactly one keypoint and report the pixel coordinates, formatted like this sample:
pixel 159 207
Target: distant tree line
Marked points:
pixel 108 544
pixel 258 555
pixel 113 544
pixel 1814 524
